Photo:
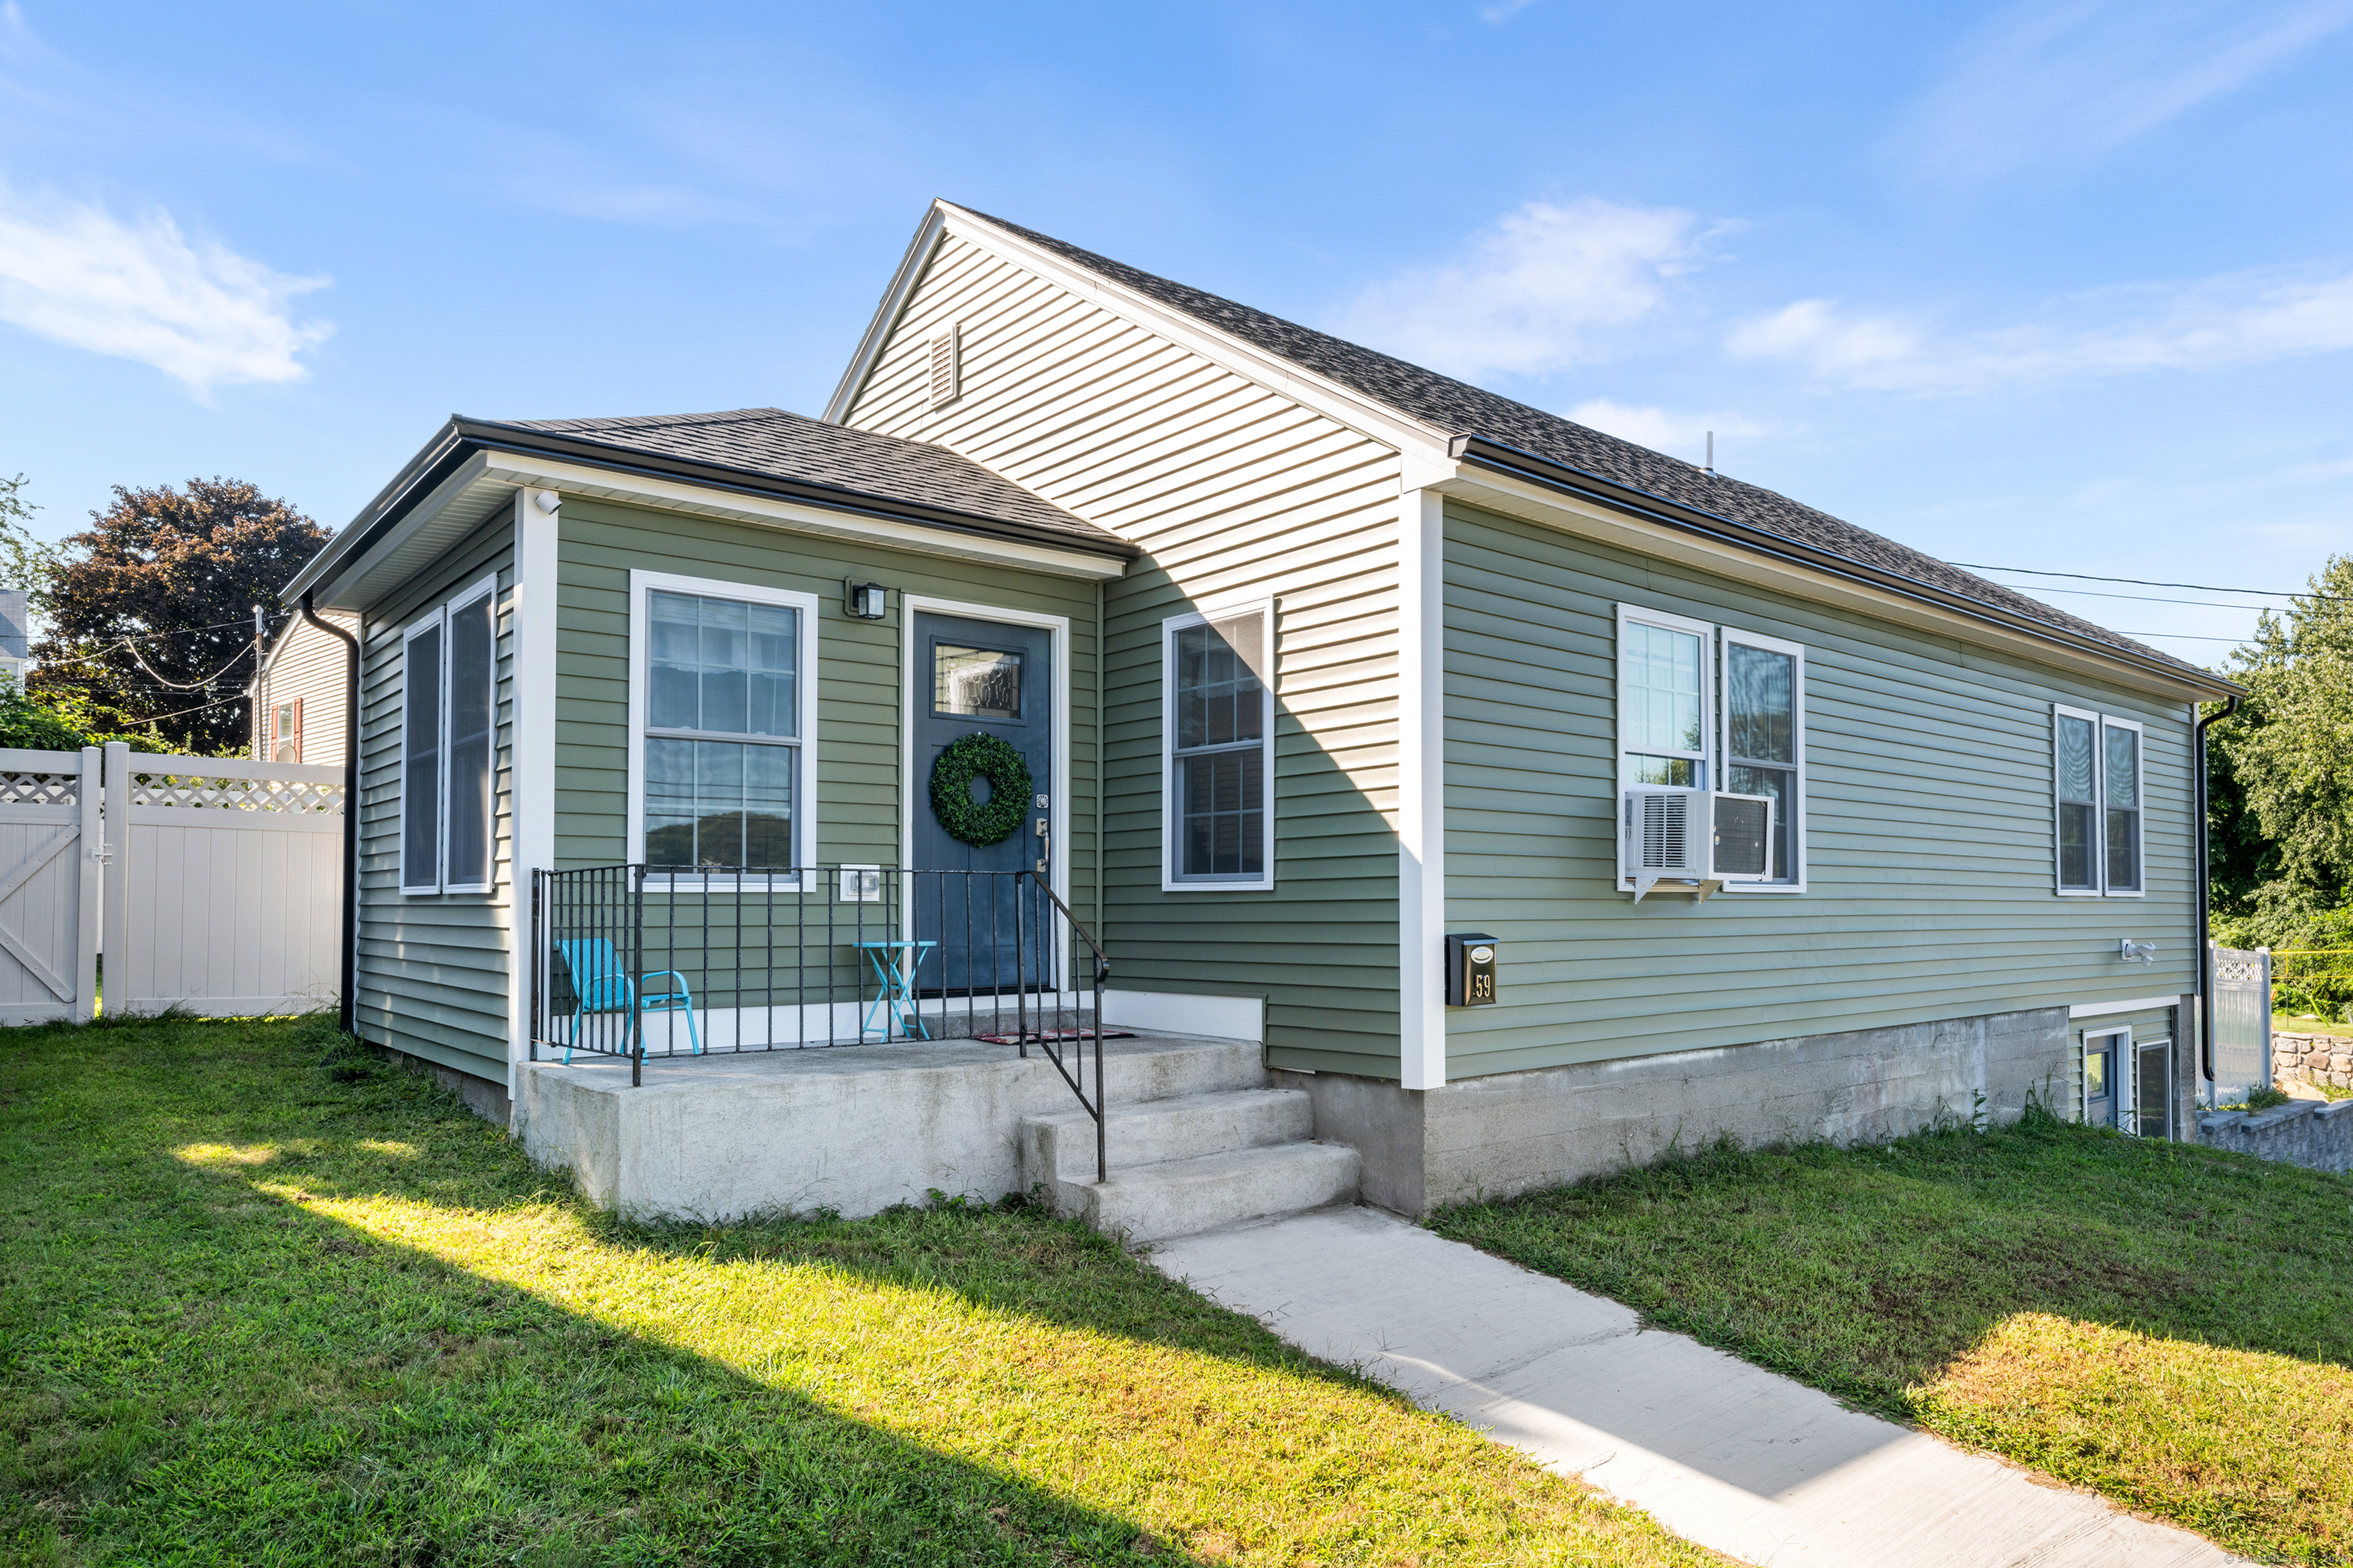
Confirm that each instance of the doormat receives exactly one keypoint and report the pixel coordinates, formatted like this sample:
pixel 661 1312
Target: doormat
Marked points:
pixel 1041 1037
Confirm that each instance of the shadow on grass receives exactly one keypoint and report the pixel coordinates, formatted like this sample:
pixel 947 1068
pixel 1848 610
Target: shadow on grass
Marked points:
pixel 200 1366
pixel 1869 1270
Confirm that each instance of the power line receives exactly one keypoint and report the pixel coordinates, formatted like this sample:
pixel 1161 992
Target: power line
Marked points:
pixel 2142 598
pixel 2140 582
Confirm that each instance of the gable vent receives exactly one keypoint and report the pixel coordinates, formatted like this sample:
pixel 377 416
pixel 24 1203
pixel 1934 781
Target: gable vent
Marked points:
pixel 948 367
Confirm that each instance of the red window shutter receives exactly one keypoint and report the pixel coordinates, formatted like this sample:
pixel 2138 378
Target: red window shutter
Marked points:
pixel 298 731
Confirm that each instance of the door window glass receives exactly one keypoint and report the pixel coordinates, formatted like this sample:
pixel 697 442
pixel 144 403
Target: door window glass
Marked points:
pixel 976 682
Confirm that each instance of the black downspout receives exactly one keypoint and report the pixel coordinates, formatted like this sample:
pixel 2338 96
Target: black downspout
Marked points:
pixel 350 813
pixel 2205 944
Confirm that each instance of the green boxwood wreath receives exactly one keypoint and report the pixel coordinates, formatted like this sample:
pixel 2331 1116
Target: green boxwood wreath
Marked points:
pixel 980 756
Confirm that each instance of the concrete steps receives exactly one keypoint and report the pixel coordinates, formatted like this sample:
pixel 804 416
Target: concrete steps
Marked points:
pixel 1189 1161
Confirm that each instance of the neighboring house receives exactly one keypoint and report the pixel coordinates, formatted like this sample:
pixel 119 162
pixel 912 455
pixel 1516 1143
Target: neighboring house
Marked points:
pixel 298 693
pixel 1772 825
pixel 15 634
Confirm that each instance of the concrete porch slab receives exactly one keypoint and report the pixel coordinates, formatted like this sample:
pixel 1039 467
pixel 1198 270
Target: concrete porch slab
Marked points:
pixel 856 1128
pixel 1722 1453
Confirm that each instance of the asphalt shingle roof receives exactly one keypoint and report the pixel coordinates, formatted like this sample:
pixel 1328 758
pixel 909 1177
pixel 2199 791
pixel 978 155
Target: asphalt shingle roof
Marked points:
pixel 776 444
pixel 1458 408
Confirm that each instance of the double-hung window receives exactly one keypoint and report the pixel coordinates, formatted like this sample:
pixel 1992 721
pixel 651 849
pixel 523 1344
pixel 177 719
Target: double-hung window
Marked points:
pixel 447 746
pixel 1709 707
pixel 1217 718
pixel 720 753
pixel 2096 787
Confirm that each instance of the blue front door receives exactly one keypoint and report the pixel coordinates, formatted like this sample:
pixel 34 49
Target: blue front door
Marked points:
pixel 984 677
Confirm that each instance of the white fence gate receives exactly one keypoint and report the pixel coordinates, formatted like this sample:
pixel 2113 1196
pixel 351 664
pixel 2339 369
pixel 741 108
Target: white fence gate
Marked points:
pixel 2243 1023
pixel 49 842
pixel 224 884
pixel 208 884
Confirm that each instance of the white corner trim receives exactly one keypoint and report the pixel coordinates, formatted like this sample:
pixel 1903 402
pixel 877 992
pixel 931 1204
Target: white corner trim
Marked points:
pixel 1059 813
pixel 530 801
pixel 805 694
pixel 2134 1004
pixel 1421 790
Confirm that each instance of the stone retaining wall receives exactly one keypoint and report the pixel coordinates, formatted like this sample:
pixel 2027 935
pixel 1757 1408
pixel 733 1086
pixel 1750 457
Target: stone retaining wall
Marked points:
pixel 2309 1133
pixel 2314 1058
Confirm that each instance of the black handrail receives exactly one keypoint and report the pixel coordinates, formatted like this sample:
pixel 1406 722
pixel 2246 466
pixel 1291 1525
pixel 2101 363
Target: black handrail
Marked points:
pixel 638 961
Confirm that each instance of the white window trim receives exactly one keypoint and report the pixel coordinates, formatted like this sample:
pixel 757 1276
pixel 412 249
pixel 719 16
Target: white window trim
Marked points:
pixel 2058 864
pixel 486 588
pixel 1713 733
pixel 2101 724
pixel 1170 837
pixel 438 618
pixel 642 585
pixel 2123 1092
pixel 412 886
pixel 2140 812
pixel 1797 652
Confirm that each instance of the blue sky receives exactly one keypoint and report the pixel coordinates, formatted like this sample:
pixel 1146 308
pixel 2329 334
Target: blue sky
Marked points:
pixel 2066 286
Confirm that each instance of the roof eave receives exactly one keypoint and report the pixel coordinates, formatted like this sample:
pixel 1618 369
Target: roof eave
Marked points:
pixel 1481 452
pixel 461 436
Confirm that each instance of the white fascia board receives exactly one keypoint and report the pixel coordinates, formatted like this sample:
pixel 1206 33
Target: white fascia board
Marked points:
pixel 1424 447
pixel 799 517
pixel 2136 1004
pixel 1594 520
pixel 494 476
pixel 348 576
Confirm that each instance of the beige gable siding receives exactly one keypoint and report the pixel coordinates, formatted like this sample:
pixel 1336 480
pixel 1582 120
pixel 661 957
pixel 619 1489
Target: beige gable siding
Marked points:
pixel 308 664
pixel 1232 489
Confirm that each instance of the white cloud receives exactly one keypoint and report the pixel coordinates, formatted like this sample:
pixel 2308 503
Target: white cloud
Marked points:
pixel 194 310
pixel 1504 10
pixel 2045 84
pixel 2241 319
pixel 1682 435
pixel 1543 289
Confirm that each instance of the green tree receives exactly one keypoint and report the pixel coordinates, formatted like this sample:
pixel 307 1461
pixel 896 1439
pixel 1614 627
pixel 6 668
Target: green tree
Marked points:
pixel 148 611
pixel 2281 771
pixel 24 561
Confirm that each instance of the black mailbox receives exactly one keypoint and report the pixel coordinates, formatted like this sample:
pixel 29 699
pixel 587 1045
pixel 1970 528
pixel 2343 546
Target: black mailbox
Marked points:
pixel 1470 969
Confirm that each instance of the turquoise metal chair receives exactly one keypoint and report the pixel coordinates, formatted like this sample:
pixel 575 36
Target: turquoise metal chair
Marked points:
pixel 599 984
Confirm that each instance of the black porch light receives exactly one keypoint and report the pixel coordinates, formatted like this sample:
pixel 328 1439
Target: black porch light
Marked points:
pixel 867 601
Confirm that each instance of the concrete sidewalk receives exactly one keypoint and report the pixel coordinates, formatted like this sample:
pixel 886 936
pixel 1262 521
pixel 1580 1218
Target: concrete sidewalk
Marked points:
pixel 1720 1452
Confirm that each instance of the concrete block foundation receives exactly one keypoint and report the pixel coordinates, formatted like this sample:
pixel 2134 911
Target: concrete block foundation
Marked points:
pixel 1516 1132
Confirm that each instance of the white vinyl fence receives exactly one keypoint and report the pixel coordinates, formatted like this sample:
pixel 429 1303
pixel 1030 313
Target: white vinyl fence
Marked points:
pixel 2243 1023
pixel 49 841
pixel 208 884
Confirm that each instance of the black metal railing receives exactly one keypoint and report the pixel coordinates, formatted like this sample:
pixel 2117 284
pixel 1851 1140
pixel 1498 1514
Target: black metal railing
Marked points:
pixel 637 962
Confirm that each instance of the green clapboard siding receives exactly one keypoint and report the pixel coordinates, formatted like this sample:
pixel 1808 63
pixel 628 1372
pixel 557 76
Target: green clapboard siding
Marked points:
pixel 859 678
pixel 433 968
pixel 1930 821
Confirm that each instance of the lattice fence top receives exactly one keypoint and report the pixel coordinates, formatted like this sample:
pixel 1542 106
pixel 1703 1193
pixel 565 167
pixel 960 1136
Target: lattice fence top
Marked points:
pixel 233 794
pixel 2230 971
pixel 40 789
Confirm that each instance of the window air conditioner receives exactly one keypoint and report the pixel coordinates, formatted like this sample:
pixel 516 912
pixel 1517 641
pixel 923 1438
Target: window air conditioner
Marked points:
pixel 1703 837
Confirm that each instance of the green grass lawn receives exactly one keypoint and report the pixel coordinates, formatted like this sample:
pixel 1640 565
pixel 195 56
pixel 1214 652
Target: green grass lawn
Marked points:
pixel 2287 1024
pixel 2166 1324
pixel 264 1300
